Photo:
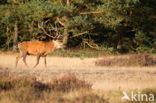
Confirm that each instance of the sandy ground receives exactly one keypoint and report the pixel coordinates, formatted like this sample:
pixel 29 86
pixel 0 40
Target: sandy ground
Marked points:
pixel 102 78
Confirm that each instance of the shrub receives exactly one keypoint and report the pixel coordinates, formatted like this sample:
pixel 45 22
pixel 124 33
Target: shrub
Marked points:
pixel 90 98
pixel 146 91
pixel 69 83
pixel 111 62
pixel 14 89
pixel 141 60
pixel 133 60
pixel 13 82
pixel 64 84
pixel 149 91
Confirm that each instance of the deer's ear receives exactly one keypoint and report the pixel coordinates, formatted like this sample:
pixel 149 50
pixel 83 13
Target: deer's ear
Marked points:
pixel 59 40
pixel 54 39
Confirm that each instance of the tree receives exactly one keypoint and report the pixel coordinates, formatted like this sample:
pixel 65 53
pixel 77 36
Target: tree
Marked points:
pixel 125 25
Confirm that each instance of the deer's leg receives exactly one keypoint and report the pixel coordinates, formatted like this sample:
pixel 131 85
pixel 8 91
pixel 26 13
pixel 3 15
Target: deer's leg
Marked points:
pixel 38 58
pixel 45 61
pixel 18 58
pixel 24 59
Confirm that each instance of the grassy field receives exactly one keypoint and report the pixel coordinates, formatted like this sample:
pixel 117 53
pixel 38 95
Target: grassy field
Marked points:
pixel 93 84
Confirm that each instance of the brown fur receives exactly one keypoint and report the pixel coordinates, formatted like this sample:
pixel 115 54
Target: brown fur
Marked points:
pixel 36 48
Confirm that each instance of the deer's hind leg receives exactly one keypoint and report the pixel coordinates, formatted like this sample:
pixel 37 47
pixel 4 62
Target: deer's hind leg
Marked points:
pixel 24 59
pixel 17 59
pixel 45 61
pixel 38 59
pixel 21 54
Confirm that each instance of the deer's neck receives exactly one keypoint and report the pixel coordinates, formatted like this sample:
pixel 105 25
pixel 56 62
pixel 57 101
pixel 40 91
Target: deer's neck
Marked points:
pixel 55 44
pixel 52 44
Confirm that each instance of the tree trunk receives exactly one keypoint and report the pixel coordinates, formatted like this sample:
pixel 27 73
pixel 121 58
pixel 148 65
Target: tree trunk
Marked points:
pixel 15 36
pixel 120 35
pixel 8 37
pixel 65 37
pixel 68 2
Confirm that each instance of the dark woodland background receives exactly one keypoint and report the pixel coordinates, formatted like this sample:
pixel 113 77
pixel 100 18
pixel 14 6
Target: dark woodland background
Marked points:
pixel 122 26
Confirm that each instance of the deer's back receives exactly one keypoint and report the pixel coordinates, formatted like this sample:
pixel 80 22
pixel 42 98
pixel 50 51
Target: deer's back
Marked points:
pixel 36 47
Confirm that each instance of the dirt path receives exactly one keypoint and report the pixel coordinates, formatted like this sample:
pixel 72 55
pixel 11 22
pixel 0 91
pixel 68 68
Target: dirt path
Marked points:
pixel 102 78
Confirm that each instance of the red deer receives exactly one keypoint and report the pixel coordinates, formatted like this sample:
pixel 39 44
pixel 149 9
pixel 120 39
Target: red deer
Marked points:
pixel 37 48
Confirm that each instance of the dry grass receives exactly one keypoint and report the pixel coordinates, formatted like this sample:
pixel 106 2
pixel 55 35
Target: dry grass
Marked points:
pixel 103 79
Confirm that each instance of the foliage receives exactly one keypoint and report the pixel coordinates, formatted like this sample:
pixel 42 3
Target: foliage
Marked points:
pixel 124 25
pixel 79 53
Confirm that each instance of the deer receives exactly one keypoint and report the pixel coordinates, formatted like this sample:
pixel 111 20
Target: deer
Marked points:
pixel 38 48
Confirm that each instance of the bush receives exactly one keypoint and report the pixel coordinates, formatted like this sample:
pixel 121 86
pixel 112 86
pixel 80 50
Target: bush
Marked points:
pixel 69 83
pixel 141 60
pixel 146 91
pixel 65 84
pixel 14 89
pixel 133 60
pixel 90 98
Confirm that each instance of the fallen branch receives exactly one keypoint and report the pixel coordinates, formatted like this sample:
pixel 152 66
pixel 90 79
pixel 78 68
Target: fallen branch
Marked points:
pixel 80 34
pixel 59 21
pixel 90 44
pixel 92 12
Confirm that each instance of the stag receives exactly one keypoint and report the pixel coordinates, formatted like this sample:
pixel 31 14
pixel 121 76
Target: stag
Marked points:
pixel 38 48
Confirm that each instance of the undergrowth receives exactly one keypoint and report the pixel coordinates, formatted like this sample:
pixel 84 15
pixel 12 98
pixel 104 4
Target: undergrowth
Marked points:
pixel 132 60
pixel 15 89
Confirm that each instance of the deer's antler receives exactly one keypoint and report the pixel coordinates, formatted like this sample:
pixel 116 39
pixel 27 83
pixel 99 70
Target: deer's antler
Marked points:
pixel 40 26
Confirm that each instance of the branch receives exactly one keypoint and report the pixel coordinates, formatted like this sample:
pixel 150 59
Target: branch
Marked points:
pixel 68 2
pixel 80 34
pixel 97 47
pixel 61 3
pixel 63 24
pixel 91 44
pixel 46 33
pixel 91 12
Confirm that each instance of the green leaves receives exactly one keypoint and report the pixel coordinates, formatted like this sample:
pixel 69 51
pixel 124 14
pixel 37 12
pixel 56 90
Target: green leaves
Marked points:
pixel 112 23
